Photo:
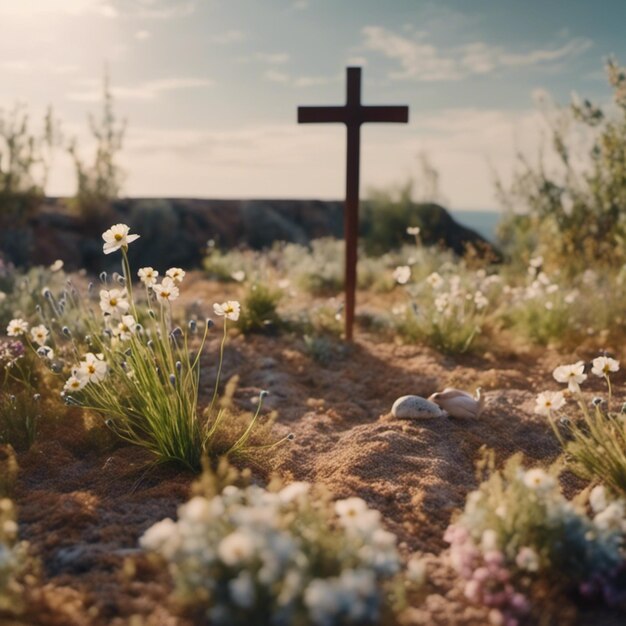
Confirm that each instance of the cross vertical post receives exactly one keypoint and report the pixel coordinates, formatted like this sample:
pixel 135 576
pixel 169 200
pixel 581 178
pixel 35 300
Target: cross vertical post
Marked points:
pixel 353 114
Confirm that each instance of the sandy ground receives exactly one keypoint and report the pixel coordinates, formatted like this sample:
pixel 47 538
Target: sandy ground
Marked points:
pixel 84 503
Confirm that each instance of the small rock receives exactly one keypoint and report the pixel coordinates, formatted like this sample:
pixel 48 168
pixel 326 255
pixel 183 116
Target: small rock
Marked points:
pixel 415 407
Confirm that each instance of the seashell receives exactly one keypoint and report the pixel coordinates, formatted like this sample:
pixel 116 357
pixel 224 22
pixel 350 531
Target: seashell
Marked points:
pixel 415 407
pixel 458 403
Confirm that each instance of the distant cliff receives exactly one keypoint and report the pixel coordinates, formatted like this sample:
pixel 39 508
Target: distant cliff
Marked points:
pixel 175 231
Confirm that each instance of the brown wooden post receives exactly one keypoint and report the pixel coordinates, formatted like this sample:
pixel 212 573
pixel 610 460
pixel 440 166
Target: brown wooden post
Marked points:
pixel 353 114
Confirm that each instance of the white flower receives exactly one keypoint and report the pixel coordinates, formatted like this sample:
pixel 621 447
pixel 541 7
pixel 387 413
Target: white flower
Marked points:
pixel 230 310
pixel 597 499
pixel 93 369
pixel 73 383
pixel 355 515
pixel 39 334
pixel 113 301
pixel 56 266
pixel 536 262
pixel 17 327
pixel 549 401
pixel 162 537
pixel 435 280
pixel 117 237
pixel 350 507
pixel 3 296
pixel 323 600
pixel 527 559
pixel 126 328
pixel 611 518
pixel 480 301
pixel 603 365
pixel 242 590
pixel 538 480
pixel 236 548
pixel 166 291
pixel 489 540
pixel 572 374
pixel 402 274
pixel 413 230
pixel 293 491
pixel 148 276
pixel 176 274
pixel 239 276
pixel 416 570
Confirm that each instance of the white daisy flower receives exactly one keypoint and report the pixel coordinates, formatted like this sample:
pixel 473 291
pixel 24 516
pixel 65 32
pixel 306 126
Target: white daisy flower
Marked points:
pixel 549 401
pixel 230 310
pixel 93 369
pixel 538 480
pixel 176 274
pixel 117 237
pixel 572 374
pixel 604 365
pixel 148 276
pixel 113 301
pixel 166 291
pixel 126 328
pixel 402 274
pixel 39 334
pixel 236 548
pixel 17 327
pixel 74 383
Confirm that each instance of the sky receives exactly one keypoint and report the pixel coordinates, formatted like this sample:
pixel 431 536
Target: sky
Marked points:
pixel 210 88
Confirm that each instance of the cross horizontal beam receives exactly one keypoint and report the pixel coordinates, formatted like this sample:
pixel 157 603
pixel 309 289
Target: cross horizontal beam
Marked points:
pixel 353 115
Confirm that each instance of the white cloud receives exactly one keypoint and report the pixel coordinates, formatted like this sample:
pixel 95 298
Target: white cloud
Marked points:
pixel 300 5
pixel 229 36
pixel 156 9
pixel 276 76
pixel 148 90
pixel 420 60
pixel 357 60
pixel 22 66
pixel 34 8
pixel 312 81
pixel 273 58
pixel 142 35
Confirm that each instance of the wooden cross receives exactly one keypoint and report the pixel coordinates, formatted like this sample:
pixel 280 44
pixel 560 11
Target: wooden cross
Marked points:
pixel 353 114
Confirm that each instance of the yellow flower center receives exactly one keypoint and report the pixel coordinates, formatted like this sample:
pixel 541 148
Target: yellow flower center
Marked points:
pixel 119 237
pixel 91 369
pixel 113 301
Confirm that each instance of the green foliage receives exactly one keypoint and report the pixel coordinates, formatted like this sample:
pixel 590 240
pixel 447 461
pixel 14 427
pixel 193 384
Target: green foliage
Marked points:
pixel 100 182
pixel 20 414
pixel 259 312
pixel 573 214
pixel 448 311
pixel 594 439
pixel 25 159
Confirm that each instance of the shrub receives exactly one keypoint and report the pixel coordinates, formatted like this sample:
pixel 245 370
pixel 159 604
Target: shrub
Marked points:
pixel 280 556
pixel 448 310
pixel 573 214
pixel 259 312
pixel 517 531
pixel 99 183
pixel 595 439
pixel 136 367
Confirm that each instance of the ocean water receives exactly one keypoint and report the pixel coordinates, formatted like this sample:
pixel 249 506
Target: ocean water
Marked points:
pixel 483 222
